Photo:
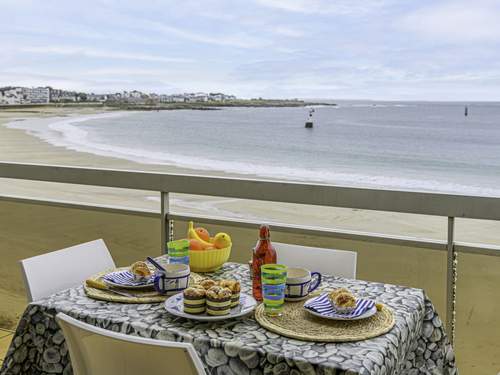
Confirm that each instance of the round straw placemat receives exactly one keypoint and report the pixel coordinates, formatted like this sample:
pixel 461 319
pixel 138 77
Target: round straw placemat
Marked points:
pixel 297 323
pixel 139 296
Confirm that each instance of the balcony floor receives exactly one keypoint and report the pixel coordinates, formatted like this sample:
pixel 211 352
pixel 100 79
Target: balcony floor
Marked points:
pixel 5 339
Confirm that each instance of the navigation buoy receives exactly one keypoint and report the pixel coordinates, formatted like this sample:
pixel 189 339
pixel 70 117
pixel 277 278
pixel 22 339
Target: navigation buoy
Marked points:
pixel 466 113
pixel 309 122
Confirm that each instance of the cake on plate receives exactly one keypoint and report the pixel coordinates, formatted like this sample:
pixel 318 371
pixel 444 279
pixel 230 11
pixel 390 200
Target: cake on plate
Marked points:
pixel 218 300
pixel 235 288
pixel 194 300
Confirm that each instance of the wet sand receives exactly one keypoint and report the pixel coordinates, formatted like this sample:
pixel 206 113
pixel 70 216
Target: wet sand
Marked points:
pixel 29 230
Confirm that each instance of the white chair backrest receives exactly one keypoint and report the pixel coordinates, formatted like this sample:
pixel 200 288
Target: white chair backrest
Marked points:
pixel 96 351
pixel 330 262
pixel 49 273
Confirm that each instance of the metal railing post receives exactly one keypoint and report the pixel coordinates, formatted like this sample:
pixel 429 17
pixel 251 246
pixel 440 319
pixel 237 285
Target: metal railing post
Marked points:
pixel 167 225
pixel 451 281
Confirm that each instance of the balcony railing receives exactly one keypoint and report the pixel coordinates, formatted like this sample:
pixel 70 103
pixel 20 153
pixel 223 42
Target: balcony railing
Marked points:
pixel 446 205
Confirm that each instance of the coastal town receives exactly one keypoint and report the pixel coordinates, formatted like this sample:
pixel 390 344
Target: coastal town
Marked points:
pixel 44 95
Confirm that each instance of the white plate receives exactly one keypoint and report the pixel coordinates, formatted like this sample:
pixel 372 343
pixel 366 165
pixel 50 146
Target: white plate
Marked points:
pixel 365 315
pixel 175 306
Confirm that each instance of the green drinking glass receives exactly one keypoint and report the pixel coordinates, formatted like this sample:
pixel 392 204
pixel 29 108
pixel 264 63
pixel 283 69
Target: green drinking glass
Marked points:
pixel 178 251
pixel 273 288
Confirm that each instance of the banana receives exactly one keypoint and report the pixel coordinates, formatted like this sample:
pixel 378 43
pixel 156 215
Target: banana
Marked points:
pixel 192 235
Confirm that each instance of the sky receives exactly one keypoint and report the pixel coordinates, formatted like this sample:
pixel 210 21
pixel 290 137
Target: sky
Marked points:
pixel 337 49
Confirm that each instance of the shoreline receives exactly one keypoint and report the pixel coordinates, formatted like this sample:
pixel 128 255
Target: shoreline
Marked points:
pixel 201 106
pixel 63 131
pixel 19 146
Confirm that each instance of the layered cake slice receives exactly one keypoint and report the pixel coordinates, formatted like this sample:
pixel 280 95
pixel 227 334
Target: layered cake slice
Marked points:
pixel 218 301
pixel 194 300
pixel 235 288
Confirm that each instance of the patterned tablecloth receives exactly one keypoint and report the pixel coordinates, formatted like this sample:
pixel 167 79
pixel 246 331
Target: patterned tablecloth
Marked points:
pixel 416 345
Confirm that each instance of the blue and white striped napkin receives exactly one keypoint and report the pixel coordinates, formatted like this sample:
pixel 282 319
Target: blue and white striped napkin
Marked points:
pixel 126 278
pixel 323 306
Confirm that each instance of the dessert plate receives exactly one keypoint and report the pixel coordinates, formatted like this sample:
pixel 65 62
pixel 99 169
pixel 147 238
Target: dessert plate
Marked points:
pixel 125 279
pixel 175 306
pixel 321 307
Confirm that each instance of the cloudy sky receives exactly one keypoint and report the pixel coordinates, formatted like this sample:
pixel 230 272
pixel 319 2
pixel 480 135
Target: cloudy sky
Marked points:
pixel 352 49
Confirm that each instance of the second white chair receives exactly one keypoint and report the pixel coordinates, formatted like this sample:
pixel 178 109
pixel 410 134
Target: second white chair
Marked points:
pixel 49 273
pixel 97 351
pixel 330 262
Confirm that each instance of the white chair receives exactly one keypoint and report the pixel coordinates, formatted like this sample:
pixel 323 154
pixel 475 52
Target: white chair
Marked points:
pixel 49 273
pixel 330 262
pixel 97 351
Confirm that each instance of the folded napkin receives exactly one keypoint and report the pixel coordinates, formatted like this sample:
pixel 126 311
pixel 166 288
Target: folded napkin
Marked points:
pixel 126 278
pixel 323 306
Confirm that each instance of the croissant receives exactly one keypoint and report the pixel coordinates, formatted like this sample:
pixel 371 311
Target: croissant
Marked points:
pixel 140 269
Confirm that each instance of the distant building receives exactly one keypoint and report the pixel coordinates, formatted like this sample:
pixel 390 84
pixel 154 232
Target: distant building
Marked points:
pixel 96 98
pixel 11 95
pixel 24 95
pixel 220 97
pixel 63 96
pixel 216 97
pixel 42 95
pixel 196 97
pixel 177 98
pixel 136 94
pixel 37 95
pixel 116 97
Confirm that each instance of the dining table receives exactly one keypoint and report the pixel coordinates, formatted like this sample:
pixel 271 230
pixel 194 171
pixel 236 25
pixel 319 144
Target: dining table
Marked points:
pixel 417 343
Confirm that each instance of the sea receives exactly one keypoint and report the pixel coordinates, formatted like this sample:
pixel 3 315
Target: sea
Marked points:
pixel 423 146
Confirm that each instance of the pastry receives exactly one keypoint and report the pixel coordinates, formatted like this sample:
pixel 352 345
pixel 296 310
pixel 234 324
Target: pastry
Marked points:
pixel 197 286
pixel 140 270
pixel 343 301
pixel 207 283
pixel 194 300
pixel 235 288
pixel 218 300
pixel 333 294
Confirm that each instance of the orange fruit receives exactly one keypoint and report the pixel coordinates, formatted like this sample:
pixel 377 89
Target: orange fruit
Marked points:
pixel 195 245
pixel 203 233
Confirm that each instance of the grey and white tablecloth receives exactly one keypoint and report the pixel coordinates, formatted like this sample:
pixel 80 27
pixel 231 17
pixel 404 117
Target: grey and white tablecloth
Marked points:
pixel 416 345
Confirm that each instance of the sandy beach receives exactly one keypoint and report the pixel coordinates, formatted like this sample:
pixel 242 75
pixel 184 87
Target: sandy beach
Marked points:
pixel 29 229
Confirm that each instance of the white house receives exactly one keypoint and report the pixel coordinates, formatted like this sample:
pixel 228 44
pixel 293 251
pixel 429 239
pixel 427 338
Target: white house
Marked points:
pixel 24 95
pixel 37 95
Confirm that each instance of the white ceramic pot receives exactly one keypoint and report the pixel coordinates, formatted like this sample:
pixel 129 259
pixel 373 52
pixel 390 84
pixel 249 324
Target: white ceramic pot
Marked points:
pixel 174 280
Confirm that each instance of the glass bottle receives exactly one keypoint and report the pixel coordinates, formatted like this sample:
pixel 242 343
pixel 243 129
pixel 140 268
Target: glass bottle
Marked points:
pixel 263 253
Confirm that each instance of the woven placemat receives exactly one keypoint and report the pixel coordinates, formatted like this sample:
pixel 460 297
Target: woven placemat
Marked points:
pixel 140 296
pixel 297 323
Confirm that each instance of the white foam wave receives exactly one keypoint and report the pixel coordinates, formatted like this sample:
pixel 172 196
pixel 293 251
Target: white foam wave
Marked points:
pixel 65 133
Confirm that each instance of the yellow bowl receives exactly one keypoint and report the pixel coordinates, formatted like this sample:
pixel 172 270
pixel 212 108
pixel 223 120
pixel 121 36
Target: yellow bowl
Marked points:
pixel 208 260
